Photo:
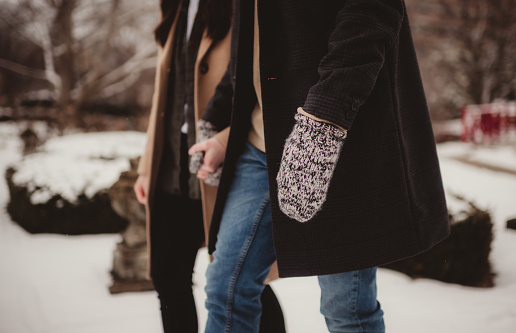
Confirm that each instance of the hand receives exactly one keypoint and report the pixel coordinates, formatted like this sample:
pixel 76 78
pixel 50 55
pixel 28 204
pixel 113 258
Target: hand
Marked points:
pixel 309 158
pixel 141 188
pixel 206 161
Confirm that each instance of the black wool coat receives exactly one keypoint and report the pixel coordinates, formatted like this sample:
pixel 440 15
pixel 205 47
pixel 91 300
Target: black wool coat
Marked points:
pixel 351 62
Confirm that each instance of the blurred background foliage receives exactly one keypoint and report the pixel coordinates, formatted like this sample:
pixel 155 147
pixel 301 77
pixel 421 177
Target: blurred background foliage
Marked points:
pixel 89 64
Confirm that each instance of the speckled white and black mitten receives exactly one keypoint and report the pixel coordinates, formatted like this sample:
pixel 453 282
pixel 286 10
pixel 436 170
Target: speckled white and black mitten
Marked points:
pixel 309 158
pixel 205 131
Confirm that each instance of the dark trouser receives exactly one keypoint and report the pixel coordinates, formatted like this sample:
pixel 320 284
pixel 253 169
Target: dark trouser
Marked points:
pixel 177 233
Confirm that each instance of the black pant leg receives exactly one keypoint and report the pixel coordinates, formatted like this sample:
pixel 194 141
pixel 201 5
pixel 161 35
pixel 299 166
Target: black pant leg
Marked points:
pixel 272 320
pixel 176 235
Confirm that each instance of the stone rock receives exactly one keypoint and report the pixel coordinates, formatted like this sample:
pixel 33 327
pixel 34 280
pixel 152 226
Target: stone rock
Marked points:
pixel 124 203
pixel 130 256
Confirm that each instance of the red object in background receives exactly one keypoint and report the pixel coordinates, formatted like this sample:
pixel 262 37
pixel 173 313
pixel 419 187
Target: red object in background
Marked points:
pixel 489 123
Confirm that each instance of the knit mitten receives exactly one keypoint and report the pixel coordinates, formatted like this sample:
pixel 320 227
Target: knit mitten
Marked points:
pixel 205 131
pixel 309 158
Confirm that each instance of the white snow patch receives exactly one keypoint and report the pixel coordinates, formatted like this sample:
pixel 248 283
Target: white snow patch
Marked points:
pixel 496 155
pixel 77 164
pixel 458 207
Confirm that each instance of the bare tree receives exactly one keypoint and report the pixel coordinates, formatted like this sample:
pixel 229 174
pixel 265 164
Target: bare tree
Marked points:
pixel 466 51
pixel 91 48
pixel 479 47
pixel 10 56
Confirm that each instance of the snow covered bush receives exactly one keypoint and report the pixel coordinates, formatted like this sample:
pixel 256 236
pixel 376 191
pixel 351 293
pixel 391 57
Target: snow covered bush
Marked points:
pixel 63 188
pixel 463 257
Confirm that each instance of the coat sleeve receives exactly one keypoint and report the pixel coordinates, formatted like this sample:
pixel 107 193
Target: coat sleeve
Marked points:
pixel 218 110
pixel 364 32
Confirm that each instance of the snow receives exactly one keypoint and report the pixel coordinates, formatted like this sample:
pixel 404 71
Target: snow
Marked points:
pixel 496 155
pixel 83 163
pixel 59 284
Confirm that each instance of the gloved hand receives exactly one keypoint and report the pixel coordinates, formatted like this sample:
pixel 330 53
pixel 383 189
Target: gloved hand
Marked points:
pixel 205 131
pixel 309 158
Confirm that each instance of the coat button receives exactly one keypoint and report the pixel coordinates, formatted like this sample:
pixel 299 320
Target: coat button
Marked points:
pixel 203 68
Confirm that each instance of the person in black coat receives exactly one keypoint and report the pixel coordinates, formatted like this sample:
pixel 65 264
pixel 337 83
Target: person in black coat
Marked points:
pixel 193 39
pixel 331 166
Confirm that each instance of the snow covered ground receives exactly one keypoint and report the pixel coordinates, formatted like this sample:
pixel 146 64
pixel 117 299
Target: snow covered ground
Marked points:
pixel 59 284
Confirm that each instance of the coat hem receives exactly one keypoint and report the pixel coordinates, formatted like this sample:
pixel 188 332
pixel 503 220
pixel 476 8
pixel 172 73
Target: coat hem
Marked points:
pixel 298 264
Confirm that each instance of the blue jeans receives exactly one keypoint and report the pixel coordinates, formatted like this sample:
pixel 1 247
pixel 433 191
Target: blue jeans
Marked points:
pixel 348 302
pixel 245 251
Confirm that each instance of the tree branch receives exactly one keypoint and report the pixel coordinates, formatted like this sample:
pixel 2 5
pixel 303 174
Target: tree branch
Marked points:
pixel 23 70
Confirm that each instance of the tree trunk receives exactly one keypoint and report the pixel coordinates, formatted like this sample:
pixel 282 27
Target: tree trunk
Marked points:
pixel 62 43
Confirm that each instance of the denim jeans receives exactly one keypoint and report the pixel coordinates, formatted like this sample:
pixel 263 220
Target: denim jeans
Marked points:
pixel 244 250
pixel 348 302
pixel 244 253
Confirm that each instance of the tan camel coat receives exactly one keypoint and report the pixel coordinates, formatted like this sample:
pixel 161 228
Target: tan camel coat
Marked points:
pixel 210 66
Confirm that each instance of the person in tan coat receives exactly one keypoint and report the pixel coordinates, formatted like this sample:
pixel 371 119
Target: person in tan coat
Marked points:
pixel 193 53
